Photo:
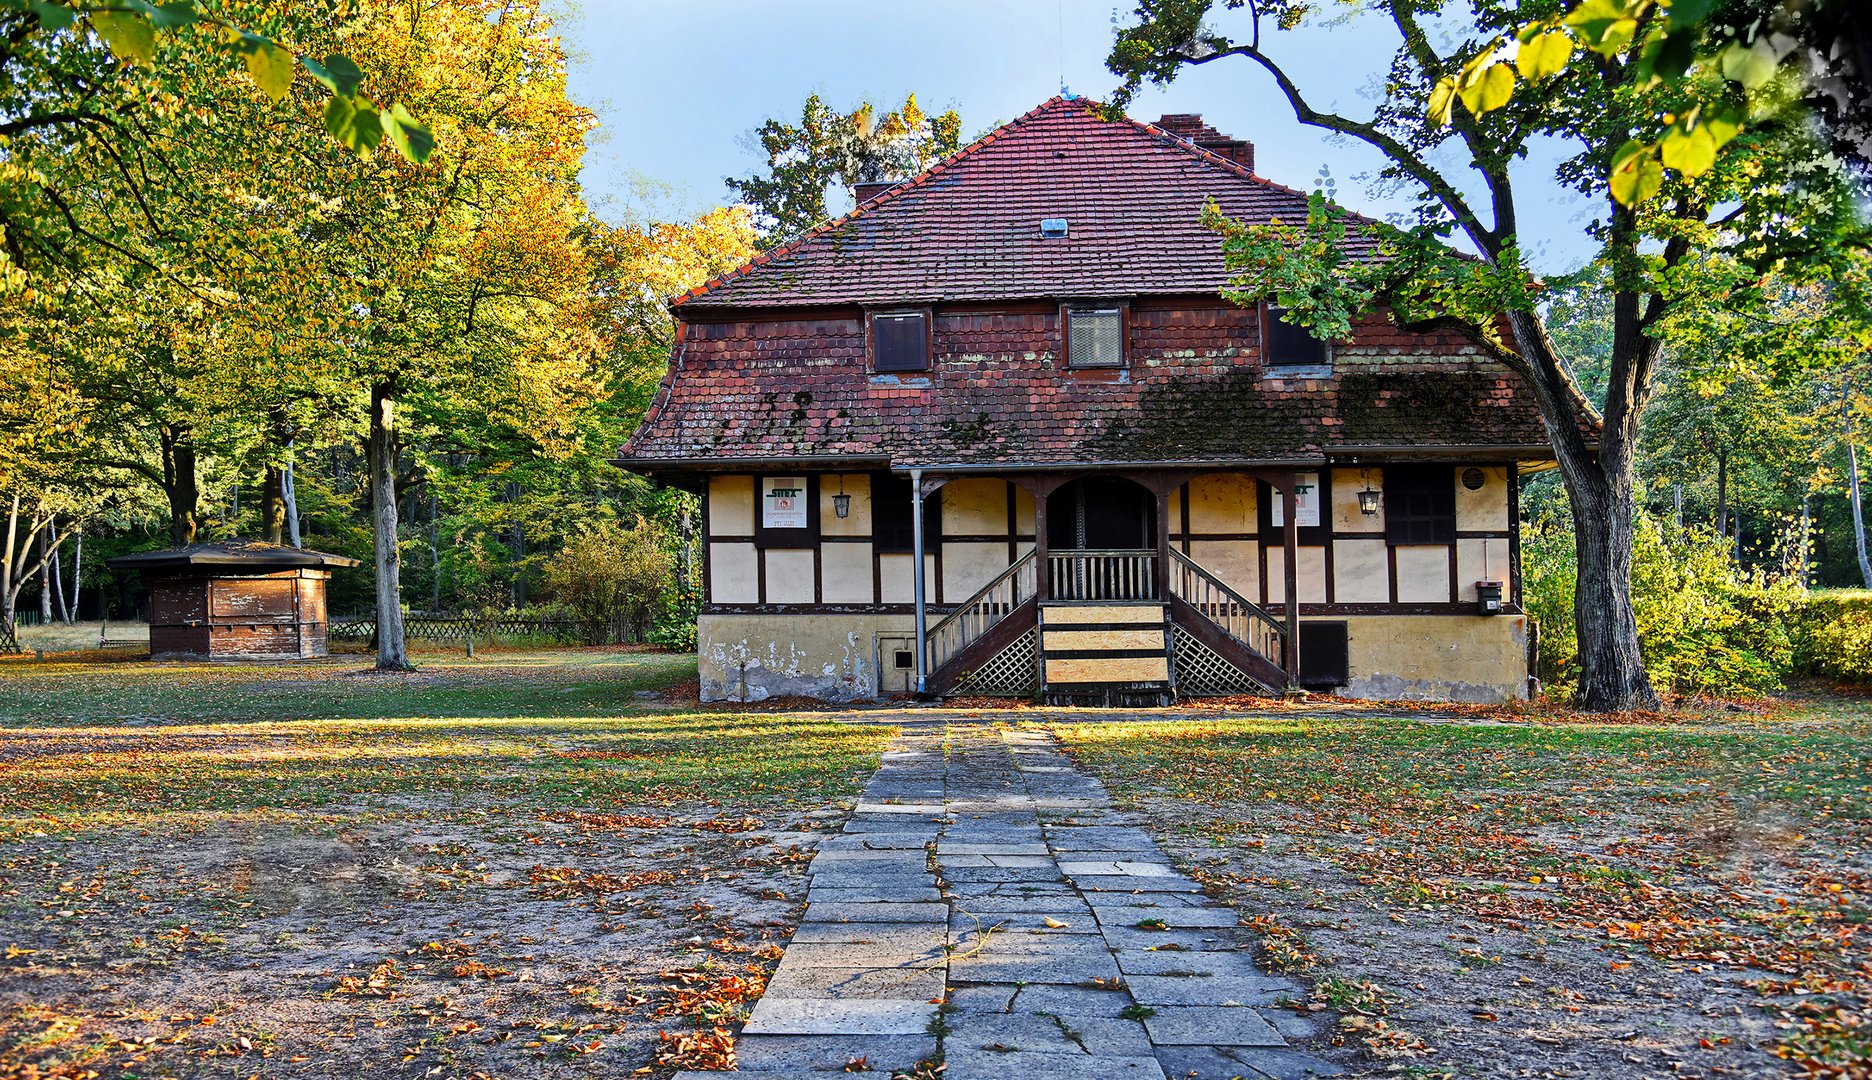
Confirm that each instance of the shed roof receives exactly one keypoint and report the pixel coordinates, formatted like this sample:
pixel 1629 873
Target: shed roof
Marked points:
pixel 250 556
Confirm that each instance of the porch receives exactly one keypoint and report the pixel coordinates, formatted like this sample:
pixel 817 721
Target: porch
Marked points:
pixel 1104 608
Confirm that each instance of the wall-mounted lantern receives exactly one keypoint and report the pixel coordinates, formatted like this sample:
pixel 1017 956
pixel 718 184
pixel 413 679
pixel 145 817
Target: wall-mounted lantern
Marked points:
pixel 1368 497
pixel 841 503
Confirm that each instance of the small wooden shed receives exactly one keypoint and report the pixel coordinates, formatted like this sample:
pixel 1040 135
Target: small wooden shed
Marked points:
pixel 235 600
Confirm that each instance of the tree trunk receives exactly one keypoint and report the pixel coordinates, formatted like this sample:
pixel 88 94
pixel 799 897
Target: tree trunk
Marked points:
pixel 1600 482
pixel 9 640
pixel 273 505
pixel 392 650
pixel 56 579
pixel 71 609
pixel 1853 500
pixel 180 485
pixel 45 580
pixel 290 489
pixel 1722 493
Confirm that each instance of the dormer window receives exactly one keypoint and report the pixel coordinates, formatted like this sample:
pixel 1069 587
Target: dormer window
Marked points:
pixel 900 341
pixel 1291 351
pixel 1095 337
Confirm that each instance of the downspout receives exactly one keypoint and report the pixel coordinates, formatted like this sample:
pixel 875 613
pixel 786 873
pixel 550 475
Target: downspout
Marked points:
pixel 922 614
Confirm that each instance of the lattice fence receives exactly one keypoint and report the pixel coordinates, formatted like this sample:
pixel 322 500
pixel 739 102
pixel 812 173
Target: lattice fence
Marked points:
pixel 1203 672
pixel 458 630
pixel 1010 673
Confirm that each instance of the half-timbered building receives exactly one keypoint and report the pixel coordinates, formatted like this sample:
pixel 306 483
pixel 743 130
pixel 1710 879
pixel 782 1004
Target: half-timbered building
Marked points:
pixel 997 431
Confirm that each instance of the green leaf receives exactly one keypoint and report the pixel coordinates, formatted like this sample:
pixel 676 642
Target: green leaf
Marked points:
pixel 1491 90
pixel 1750 65
pixel 1605 25
pixel 337 73
pixel 54 17
pixel 1676 54
pixel 270 65
pixel 1690 152
pixel 172 16
pixel 1723 124
pixel 1636 173
pixel 1684 13
pixel 130 36
pixel 352 123
pixel 1443 101
pixel 410 138
pixel 1545 56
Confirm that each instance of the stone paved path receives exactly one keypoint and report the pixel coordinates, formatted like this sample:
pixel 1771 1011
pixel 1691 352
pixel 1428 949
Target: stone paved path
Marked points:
pixel 980 868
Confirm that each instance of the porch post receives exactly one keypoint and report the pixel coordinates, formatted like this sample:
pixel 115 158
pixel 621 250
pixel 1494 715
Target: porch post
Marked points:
pixel 1290 540
pixel 922 613
pixel 1040 543
pixel 1161 541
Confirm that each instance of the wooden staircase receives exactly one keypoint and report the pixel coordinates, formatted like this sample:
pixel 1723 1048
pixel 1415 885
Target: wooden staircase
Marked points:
pixel 1104 636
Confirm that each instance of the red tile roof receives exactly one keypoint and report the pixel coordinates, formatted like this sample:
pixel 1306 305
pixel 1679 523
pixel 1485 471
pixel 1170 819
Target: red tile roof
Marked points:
pixel 969 227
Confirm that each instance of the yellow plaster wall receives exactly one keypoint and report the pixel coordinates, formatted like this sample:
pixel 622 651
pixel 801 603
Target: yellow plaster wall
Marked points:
pixel 1361 571
pixel 1473 658
pixel 1346 515
pixel 845 570
pixel 1423 573
pixel 1309 569
pixel 1487 506
pixel 858 486
pixel 789 575
pixel 966 567
pixel 731 506
pixel 1023 511
pixel 895 570
pixel 755 657
pixel 734 574
pixel 1471 567
pixel 1221 503
pixel 1236 562
pixel 975 507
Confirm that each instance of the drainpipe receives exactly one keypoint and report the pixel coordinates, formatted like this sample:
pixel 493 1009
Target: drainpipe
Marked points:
pixel 916 547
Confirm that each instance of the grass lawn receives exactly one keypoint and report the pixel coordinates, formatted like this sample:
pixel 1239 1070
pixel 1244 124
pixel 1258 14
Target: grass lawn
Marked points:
pixel 1543 898
pixel 529 861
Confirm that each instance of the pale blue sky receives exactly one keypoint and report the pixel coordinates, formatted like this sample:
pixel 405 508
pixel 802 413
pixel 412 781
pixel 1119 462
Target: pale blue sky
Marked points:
pixel 678 87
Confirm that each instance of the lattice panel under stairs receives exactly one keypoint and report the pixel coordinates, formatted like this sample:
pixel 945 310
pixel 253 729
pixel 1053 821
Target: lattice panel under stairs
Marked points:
pixel 1203 672
pixel 1009 673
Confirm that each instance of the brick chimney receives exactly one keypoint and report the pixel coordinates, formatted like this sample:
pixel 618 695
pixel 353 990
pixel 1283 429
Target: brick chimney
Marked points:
pixel 866 190
pixel 1190 128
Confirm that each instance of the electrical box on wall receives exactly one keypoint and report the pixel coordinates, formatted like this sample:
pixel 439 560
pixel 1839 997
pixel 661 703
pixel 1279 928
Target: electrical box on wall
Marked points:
pixel 1488 597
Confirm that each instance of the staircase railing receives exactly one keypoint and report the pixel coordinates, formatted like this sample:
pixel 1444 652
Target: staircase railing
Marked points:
pixel 1250 625
pixel 1098 576
pixel 979 613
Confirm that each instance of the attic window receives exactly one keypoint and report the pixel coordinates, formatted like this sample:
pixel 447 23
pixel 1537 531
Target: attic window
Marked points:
pixel 1095 337
pixel 900 341
pixel 1292 351
pixel 1052 228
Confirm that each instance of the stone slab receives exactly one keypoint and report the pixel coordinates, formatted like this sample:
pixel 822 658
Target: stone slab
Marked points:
pixel 1200 1025
pixel 821 1016
pixel 1221 990
pixel 981 1065
pixel 887 913
pixel 803 977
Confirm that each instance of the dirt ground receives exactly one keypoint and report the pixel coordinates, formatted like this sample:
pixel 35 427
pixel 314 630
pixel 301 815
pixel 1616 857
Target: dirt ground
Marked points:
pixel 1541 909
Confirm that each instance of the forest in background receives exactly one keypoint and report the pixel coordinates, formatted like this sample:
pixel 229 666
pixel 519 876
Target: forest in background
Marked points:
pixel 210 298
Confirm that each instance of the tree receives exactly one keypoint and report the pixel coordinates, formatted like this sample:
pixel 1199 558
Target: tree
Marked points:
pixel 827 147
pixel 612 574
pixel 1770 198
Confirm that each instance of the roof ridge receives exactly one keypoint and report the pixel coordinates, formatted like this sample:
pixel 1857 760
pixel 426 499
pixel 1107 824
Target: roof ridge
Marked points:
pixel 875 201
pixel 1230 165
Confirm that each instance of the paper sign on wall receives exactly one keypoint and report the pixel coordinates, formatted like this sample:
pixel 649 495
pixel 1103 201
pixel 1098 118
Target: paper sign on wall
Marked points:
pixel 783 502
pixel 1306 501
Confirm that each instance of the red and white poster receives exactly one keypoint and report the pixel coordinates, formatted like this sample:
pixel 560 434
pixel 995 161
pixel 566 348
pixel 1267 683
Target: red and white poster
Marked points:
pixel 1306 501
pixel 783 502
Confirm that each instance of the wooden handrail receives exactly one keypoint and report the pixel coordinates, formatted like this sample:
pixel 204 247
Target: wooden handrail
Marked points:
pixel 979 613
pixel 1246 622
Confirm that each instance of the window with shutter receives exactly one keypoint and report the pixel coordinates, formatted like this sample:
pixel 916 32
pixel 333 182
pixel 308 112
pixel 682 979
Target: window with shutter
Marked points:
pixel 900 342
pixel 1290 348
pixel 1095 337
pixel 1420 504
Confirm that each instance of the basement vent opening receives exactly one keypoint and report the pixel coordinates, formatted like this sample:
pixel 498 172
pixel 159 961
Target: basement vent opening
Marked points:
pixel 1053 227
